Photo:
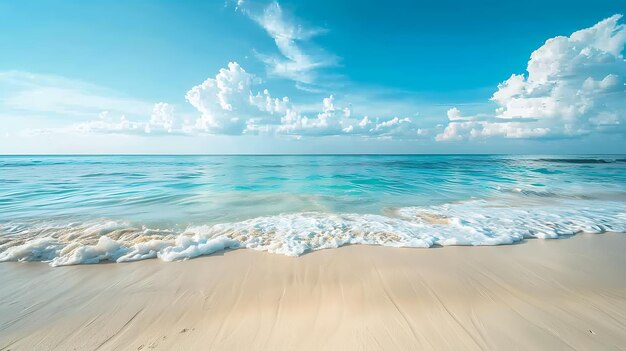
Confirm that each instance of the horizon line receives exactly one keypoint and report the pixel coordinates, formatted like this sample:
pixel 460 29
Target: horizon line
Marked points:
pixel 323 154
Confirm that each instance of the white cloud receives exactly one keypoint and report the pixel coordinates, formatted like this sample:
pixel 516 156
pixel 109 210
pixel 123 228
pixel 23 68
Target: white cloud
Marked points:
pixel 223 101
pixel 105 124
pixel 161 122
pixel 48 94
pixel 228 105
pixel 454 114
pixel 574 86
pixel 478 129
pixel 57 103
pixel 265 102
pixel 162 119
pixel 327 122
pixel 339 121
pixel 294 62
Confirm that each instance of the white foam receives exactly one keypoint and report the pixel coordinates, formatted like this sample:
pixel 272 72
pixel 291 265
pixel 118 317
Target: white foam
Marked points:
pixel 145 250
pixel 38 249
pixel 189 247
pixel 106 249
pixel 470 223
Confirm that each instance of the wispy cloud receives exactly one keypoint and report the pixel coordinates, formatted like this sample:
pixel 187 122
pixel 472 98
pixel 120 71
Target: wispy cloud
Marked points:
pixel 54 95
pixel 299 58
pixel 72 106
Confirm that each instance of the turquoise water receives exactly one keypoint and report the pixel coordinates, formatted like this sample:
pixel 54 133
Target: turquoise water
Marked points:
pixel 308 202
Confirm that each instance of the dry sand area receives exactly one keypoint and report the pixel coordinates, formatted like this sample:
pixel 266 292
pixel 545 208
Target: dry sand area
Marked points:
pixel 537 295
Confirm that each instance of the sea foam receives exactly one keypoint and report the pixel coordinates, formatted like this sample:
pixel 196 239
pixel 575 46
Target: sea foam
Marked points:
pixel 477 222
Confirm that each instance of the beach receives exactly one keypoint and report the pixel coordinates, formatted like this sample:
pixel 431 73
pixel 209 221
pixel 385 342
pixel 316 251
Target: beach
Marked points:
pixel 568 293
pixel 309 175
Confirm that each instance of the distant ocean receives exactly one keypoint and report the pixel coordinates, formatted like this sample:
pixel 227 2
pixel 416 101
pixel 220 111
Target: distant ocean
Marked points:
pixel 89 209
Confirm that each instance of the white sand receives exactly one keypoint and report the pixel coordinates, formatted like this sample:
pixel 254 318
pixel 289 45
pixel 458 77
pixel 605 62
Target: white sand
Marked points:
pixel 540 294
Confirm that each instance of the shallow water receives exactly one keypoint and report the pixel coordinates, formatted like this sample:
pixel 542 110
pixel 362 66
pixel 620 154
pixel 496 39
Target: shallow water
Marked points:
pixel 86 209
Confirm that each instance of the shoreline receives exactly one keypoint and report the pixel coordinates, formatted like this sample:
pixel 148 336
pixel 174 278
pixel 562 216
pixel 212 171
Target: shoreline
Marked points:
pixel 537 294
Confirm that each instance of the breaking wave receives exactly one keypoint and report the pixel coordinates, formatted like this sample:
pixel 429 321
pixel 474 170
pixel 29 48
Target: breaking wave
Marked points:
pixel 477 222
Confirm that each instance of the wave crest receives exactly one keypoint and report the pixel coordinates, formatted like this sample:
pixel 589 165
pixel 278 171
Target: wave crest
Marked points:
pixel 474 223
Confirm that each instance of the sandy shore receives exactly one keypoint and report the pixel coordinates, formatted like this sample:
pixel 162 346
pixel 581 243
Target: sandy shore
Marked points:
pixel 540 294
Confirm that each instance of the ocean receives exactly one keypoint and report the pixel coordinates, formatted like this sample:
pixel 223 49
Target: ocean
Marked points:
pixel 88 209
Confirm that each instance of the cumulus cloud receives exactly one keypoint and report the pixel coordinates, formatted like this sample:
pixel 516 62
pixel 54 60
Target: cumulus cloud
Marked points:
pixel 472 128
pixel 106 124
pixel 223 101
pixel 294 62
pixel 232 103
pixel 333 120
pixel 330 121
pixel 163 120
pixel 228 104
pixel 574 86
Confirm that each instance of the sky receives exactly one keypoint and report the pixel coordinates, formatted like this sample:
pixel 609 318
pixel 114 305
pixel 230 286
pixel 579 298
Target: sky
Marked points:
pixel 248 77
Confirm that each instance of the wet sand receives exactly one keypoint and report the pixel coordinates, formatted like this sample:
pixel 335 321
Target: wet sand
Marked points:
pixel 539 294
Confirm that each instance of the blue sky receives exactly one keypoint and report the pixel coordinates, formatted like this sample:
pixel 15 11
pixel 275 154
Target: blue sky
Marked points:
pixel 311 77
